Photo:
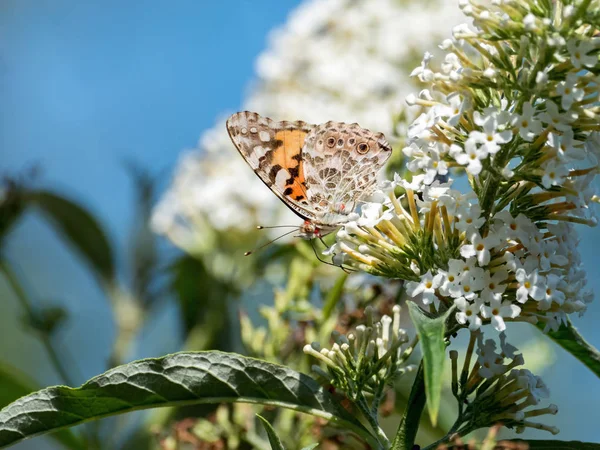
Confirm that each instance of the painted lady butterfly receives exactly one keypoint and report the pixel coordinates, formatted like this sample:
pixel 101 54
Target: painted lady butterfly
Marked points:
pixel 321 171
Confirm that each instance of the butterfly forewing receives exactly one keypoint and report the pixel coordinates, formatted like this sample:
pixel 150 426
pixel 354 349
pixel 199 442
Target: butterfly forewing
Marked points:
pixel 274 151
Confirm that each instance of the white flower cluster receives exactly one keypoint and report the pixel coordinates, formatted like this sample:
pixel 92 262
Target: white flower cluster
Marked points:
pixel 547 135
pixel 367 358
pixel 495 390
pixel 526 131
pixel 515 271
pixel 333 60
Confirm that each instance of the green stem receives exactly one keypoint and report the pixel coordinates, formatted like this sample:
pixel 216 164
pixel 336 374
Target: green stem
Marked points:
pixel 362 404
pixel 447 437
pixel 409 425
pixel 17 288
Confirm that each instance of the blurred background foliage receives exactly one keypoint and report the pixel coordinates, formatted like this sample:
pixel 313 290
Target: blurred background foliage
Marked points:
pixel 113 247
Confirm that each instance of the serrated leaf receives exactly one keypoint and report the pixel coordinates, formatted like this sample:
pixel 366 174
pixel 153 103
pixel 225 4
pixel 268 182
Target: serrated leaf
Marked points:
pixel 431 333
pixel 80 229
pixel 568 337
pixel 15 384
pixel 556 445
pixel 271 434
pixel 174 380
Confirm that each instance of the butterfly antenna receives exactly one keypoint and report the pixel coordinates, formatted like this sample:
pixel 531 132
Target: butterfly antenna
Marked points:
pixel 260 227
pixel 271 241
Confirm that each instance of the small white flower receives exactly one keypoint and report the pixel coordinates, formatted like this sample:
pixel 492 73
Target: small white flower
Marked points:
pixel 452 277
pixel 498 310
pixel 515 227
pixel 549 256
pixel 494 284
pixel 551 293
pixel 527 124
pixel 416 184
pixel 553 117
pixel 423 72
pixel 479 247
pixel 491 363
pixel 490 138
pixel 455 109
pixel 579 53
pixel 451 63
pixel 433 165
pixel 372 214
pixel 471 156
pixel 471 283
pixel 426 287
pixel 569 91
pixel 568 148
pixel 536 387
pixel 468 312
pixel 555 173
pixel 531 285
pixel 468 218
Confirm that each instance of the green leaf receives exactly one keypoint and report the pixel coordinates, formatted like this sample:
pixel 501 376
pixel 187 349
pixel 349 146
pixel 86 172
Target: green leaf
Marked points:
pixel 15 384
pixel 334 296
pixel 80 228
pixel 202 298
pixel 174 380
pixel 431 333
pixel 143 241
pixel 272 434
pixel 311 447
pixel 12 206
pixel 568 337
pixel 556 445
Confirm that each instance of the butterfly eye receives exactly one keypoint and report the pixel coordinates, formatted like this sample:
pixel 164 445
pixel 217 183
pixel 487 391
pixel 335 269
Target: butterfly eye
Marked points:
pixel 331 142
pixel 362 148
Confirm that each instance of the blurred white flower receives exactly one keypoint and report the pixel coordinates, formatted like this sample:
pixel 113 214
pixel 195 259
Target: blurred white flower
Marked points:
pixel 333 60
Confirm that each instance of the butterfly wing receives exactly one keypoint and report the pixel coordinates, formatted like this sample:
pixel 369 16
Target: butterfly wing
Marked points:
pixel 274 151
pixel 341 162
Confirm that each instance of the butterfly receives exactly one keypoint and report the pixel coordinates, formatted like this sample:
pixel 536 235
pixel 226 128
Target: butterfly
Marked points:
pixel 321 172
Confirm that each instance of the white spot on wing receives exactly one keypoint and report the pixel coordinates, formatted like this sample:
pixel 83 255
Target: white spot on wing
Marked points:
pixel 259 151
pixel 264 136
pixel 282 176
pixel 253 130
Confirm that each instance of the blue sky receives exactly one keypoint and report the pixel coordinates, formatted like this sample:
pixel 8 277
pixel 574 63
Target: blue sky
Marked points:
pixel 88 85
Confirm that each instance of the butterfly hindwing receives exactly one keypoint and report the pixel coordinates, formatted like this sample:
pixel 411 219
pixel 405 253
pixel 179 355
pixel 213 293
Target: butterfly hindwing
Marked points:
pixel 274 151
pixel 341 162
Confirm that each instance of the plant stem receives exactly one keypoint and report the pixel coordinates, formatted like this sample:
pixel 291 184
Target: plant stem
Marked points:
pixel 409 425
pixel 17 288
pixel 362 404
pixel 447 437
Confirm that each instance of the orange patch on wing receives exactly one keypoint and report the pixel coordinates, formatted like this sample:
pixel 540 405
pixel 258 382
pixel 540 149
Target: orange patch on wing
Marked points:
pixel 289 156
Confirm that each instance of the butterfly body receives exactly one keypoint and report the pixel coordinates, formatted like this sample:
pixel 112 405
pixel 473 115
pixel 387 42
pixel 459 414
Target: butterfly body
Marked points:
pixel 321 172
